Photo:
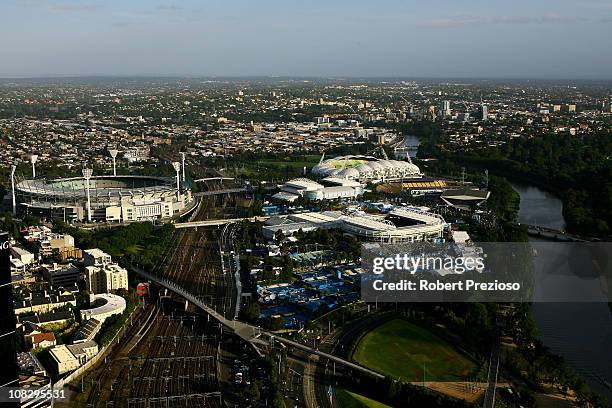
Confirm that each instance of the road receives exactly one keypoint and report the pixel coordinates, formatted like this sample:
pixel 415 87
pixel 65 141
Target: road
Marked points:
pixel 489 399
pixel 328 356
pixel 252 334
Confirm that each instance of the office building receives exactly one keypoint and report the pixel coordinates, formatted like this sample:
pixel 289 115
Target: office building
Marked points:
pixel 330 188
pixel 484 112
pixel 61 275
pixel 101 274
pixel 96 257
pixel 444 110
pixel 107 278
pixel 63 360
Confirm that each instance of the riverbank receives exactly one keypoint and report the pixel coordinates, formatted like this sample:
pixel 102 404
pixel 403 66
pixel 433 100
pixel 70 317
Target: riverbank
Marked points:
pixel 573 169
pixel 582 342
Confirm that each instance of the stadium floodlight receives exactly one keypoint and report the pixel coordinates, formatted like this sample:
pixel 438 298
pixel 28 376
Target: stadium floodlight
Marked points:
pixel 33 159
pixel 183 164
pixel 113 154
pixel 87 173
pixel 177 168
pixel 13 168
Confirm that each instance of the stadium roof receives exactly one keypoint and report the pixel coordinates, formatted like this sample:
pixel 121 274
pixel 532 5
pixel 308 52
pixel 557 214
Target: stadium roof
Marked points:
pixel 365 167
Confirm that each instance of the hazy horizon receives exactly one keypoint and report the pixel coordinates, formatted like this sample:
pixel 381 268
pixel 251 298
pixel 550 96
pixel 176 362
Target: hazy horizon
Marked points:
pixel 300 78
pixel 474 39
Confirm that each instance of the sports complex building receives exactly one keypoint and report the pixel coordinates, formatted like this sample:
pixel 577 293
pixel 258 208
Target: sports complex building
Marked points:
pixel 103 198
pixel 399 225
pixel 329 188
pixel 365 169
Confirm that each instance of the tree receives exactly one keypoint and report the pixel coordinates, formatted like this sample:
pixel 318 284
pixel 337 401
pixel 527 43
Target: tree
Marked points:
pixel 250 313
pixel 287 268
pixel 279 237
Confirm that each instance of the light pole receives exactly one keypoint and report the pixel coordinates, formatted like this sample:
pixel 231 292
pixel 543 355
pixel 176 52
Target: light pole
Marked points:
pixel 13 168
pixel 177 168
pixel 87 173
pixel 33 159
pixel 113 154
pixel 183 164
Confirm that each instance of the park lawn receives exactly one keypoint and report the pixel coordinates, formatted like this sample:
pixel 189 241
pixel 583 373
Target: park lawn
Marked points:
pixel 348 399
pixel 274 165
pixel 134 249
pixel 289 163
pixel 399 349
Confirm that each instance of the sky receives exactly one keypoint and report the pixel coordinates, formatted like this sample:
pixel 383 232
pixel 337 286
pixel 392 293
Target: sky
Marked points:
pixel 560 39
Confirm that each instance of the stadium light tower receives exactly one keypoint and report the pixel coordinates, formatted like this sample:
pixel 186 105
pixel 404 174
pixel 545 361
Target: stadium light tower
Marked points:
pixel 177 168
pixel 87 173
pixel 113 154
pixel 33 159
pixel 183 164
pixel 13 168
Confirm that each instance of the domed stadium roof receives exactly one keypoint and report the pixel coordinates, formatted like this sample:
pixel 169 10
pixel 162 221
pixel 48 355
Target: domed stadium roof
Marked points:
pixel 349 173
pixel 364 168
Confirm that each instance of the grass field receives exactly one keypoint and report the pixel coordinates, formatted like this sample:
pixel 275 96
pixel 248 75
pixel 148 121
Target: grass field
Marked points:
pixel 307 161
pixel 273 165
pixel 340 164
pixel 400 349
pixel 348 399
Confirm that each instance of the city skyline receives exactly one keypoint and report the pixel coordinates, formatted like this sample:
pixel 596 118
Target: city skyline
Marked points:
pixel 547 40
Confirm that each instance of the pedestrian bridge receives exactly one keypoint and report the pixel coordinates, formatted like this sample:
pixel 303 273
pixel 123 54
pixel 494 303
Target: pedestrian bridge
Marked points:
pixel 554 234
pixel 221 192
pixel 213 179
pixel 217 222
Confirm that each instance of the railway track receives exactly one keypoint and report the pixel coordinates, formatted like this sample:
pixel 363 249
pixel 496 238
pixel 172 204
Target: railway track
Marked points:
pixel 173 364
pixel 193 261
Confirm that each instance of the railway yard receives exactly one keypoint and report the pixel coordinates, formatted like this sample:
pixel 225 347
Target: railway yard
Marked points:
pixel 169 360
pixel 170 356
pixel 198 257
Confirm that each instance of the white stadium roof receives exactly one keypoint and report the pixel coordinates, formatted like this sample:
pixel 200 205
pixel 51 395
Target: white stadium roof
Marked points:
pixel 365 168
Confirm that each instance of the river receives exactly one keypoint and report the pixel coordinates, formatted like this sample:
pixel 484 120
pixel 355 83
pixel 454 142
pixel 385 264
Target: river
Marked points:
pixel 579 332
pixel 411 144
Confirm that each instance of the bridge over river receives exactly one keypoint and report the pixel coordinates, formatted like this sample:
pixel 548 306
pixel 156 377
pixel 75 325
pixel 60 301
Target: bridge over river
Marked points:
pixel 555 234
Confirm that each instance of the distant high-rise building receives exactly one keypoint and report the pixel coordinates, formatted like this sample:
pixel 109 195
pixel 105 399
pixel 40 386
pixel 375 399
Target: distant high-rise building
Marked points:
pixel 431 111
pixel 444 110
pixel 484 112
pixel 9 375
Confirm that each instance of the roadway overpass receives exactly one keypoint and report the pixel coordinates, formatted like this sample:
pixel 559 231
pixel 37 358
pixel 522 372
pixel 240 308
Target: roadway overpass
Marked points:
pixel 253 335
